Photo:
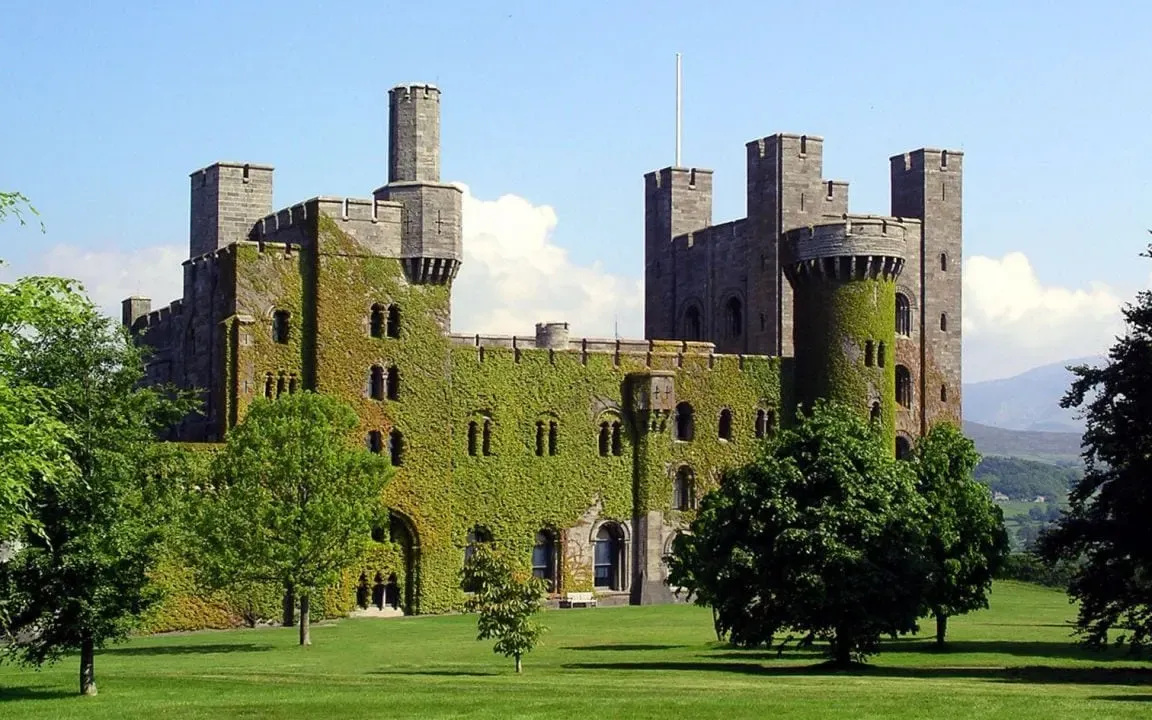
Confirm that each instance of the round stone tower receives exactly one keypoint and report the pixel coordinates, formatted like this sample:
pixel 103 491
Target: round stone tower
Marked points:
pixel 843 275
pixel 552 335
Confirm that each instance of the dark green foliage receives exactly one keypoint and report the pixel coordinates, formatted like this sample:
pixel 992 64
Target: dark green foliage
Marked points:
pixel 292 499
pixel 1021 479
pixel 80 577
pixel 1108 528
pixel 1027 567
pixel 507 597
pixel 966 541
pixel 821 535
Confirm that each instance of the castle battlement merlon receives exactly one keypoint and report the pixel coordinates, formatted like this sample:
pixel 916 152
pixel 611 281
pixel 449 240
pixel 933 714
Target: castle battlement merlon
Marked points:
pixel 924 158
pixel 250 166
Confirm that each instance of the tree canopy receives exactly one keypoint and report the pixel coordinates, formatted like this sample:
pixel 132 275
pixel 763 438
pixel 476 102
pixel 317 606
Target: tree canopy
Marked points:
pixel 822 534
pixel 1106 531
pixel 79 576
pixel 507 597
pixel 292 499
pixel 966 540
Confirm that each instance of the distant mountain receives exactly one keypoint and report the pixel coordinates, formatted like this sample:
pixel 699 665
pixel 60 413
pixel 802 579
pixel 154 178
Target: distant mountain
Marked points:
pixel 1028 401
pixel 1059 448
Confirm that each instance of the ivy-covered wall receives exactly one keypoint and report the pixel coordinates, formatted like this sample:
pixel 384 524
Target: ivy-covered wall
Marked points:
pixel 839 320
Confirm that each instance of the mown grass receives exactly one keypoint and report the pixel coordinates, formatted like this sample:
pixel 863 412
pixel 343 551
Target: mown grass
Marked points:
pixel 1016 660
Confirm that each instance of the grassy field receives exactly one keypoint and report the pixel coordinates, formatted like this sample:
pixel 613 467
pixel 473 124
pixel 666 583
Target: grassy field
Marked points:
pixel 1015 660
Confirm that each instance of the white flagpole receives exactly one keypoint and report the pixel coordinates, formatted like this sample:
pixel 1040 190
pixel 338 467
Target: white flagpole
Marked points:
pixel 678 104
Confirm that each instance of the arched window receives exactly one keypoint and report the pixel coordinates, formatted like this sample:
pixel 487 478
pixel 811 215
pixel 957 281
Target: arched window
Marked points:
pixel 943 393
pixel 376 322
pixel 869 353
pixel 280 385
pixel 393 327
pixel 944 262
pixel 608 563
pixel 553 437
pixel 903 448
pixel 487 436
pixel 734 312
pixel 903 315
pixel 684 489
pixel 473 437
pixel 943 322
pixel 617 438
pixel 396 447
pixel 375 441
pixel 605 439
pixel 903 386
pixel 393 384
pixel 376 383
pixel 881 355
pixel 269 384
pixel 280 326
pixel 685 423
pixel 724 431
pixel 692 325
pixel 761 423
pixel 476 536
pixel 544 558
pixel 874 416
pixel 292 384
pixel 539 438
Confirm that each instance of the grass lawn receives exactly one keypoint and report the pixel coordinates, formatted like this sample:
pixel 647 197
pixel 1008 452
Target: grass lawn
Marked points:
pixel 1015 660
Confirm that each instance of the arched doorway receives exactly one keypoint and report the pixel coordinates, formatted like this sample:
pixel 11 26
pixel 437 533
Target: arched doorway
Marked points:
pixel 609 570
pixel 402 532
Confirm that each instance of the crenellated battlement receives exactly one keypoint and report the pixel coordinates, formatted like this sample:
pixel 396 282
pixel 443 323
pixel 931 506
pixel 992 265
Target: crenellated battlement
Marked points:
pixel 345 209
pixel 927 158
pixel 655 354
pixel 854 247
pixel 408 92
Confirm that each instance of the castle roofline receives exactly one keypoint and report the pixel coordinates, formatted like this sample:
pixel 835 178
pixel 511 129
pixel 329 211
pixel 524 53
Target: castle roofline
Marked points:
pixel 232 164
pixel 926 150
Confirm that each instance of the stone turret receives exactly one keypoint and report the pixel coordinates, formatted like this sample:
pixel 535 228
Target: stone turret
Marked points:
pixel 431 245
pixel 843 276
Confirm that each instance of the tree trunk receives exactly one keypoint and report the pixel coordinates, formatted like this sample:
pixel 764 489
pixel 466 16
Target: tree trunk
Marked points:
pixel 519 667
pixel 87 670
pixel 305 638
pixel 289 607
pixel 941 627
pixel 842 650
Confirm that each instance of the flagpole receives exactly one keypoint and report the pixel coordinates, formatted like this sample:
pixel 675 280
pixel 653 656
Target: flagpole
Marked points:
pixel 678 106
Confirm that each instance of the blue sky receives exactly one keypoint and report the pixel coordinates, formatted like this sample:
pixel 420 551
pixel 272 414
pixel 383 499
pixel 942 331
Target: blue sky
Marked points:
pixel 108 107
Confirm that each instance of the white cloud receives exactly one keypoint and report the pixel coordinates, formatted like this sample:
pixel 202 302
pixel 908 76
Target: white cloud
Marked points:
pixel 109 276
pixel 514 276
pixel 1012 322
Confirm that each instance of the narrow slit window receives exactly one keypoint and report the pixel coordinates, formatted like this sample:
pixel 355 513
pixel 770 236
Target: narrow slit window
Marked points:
pixel 553 438
pixel 539 438
pixel 617 438
pixel 487 442
pixel 392 385
pixel 473 437
pixel 605 439
pixel 869 353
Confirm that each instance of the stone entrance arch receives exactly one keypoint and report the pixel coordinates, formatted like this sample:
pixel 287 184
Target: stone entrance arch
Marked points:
pixel 402 532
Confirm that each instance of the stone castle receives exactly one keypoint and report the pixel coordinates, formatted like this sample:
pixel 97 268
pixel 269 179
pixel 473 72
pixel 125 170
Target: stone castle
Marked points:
pixel 589 454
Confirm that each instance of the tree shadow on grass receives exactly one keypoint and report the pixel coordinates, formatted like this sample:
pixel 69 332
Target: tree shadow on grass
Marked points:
pixel 1124 698
pixel 1032 674
pixel 444 673
pixel 1068 650
pixel 218 648
pixel 622 647
pixel 11 694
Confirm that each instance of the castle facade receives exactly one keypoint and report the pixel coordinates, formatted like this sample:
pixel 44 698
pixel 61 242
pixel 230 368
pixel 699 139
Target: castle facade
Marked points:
pixel 588 454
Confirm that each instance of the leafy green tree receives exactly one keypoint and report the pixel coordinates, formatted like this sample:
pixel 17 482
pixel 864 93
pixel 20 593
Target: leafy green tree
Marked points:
pixel 507 597
pixel 821 535
pixel 1107 529
pixel 14 204
pixel 80 576
pixel 292 499
pixel 965 532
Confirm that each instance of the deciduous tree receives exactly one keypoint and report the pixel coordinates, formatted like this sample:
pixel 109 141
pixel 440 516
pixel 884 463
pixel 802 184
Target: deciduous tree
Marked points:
pixel 1107 532
pixel 79 578
pixel 821 535
pixel 966 540
pixel 507 597
pixel 293 497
